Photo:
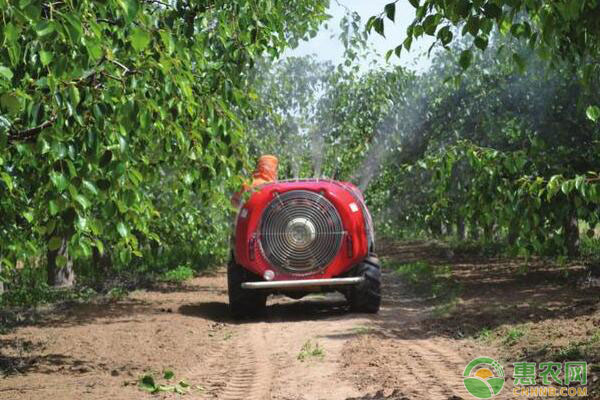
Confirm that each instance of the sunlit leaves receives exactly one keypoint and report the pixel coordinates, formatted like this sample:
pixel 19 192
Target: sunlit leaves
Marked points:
pixel 564 30
pixel 59 180
pixel 593 113
pixel 104 104
pixel 140 39
pixel 122 229
pixel 5 72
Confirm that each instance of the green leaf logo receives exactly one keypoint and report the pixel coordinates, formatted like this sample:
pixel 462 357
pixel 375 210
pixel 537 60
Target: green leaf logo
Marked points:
pixel 480 380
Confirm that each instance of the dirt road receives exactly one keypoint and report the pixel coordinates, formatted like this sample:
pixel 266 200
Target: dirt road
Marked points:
pixel 99 351
pixel 308 349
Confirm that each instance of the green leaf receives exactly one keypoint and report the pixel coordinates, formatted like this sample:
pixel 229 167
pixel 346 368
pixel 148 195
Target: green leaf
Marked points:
pixel 5 72
pixel 44 28
pixel 140 39
pixel 519 61
pixel 46 57
pixel 74 95
pixel 147 383
pixel 94 48
pixel 99 246
pixel 472 25
pixel 414 3
pixel 378 26
pixel 10 102
pixel 388 54
pixel 466 57
pixel 491 10
pixel 390 10
pixel 168 374
pixel 90 187
pixel 398 50
pixel 11 34
pixel 167 41
pixel 122 229
pixel 445 35
pixel 7 180
pixel 53 207
pixel 54 243
pixel 130 7
pixel 481 42
pixel 59 180
pixel 593 113
pixel 85 203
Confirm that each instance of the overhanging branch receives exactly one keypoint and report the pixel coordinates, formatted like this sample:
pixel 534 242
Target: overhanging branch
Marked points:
pixel 29 135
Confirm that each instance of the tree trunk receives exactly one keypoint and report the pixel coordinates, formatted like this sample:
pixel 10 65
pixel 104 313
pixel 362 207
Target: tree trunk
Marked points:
pixel 460 228
pixel 488 231
pixel 102 266
pixel 572 233
pixel 1 282
pixel 435 227
pixel 474 232
pixel 513 232
pixel 60 267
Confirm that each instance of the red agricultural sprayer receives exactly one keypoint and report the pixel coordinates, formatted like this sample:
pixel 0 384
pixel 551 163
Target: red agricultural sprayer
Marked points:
pixel 301 236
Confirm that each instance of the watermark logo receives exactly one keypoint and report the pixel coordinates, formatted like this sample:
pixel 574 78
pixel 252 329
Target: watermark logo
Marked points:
pixel 483 377
pixel 530 381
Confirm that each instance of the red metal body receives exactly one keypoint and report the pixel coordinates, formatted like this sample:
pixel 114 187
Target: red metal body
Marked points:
pixel 346 198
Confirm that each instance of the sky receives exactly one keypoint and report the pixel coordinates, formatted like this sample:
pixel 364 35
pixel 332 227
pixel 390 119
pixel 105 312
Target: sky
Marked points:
pixel 328 48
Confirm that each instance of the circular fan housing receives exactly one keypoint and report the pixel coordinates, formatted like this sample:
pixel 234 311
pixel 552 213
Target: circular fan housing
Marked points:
pixel 300 232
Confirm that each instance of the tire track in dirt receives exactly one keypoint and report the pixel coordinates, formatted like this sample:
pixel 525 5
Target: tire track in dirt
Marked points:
pixel 241 369
pixel 409 359
pixel 443 378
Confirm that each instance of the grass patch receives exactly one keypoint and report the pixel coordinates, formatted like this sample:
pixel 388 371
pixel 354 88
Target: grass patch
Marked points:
pixel 433 281
pixel 311 351
pixel 484 335
pixel 180 274
pixel 513 335
pixel 470 247
pixel 581 350
pixel 362 330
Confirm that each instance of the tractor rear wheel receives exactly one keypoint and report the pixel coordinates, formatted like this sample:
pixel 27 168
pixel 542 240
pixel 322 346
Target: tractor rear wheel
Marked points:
pixel 366 296
pixel 243 302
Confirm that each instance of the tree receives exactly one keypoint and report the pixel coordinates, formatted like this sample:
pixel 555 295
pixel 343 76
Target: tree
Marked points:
pixel 105 103
pixel 568 29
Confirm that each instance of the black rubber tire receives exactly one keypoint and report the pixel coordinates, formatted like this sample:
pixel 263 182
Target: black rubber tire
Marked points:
pixel 243 302
pixel 373 260
pixel 366 297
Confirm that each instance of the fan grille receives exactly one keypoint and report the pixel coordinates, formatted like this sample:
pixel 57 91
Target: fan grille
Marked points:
pixel 321 238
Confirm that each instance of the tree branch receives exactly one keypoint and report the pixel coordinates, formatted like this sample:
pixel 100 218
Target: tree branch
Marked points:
pixel 28 135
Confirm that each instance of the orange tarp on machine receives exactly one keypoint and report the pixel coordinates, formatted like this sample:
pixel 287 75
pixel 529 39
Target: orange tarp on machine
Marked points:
pixel 265 172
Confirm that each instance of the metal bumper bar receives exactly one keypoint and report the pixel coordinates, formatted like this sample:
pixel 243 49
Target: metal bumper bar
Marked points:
pixel 302 283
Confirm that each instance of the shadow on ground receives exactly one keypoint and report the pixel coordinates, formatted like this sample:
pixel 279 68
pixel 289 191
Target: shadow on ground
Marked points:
pixel 279 309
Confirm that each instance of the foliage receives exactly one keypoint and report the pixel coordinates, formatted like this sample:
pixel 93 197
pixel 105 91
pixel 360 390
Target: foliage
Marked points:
pixel 559 30
pixel 429 280
pixel 120 134
pixel 439 155
pixel 179 274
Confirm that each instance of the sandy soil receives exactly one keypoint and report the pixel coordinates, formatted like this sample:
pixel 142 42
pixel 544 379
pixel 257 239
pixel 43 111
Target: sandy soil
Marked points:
pixel 99 351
